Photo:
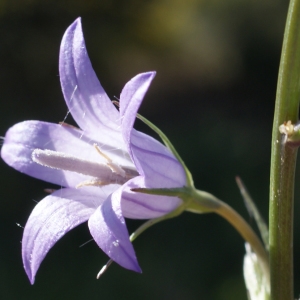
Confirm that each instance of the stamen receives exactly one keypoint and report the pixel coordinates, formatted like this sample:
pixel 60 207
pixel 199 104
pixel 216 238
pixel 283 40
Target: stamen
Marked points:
pixel 101 153
pixel 116 103
pixel 49 191
pixel 114 167
pixel 93 182
pixel 68 125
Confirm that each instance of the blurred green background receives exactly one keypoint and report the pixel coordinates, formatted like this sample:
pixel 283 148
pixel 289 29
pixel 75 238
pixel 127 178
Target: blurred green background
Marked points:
pixel 217 64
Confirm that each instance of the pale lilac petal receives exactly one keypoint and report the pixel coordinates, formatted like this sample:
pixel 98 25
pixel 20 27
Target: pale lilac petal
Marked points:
pixel 152 159
pixel 143 206
pixel 87 101
pixel 108 229
pixel 23 138
pixel 131 98
pixel 52 218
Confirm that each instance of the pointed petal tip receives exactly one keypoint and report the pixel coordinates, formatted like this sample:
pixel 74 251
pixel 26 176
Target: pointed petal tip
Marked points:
pixel 75 24
pixel 131 264
pixel 150 73
pixel 28 267
pixel 141 78
pixel 146 75
pixel 107 227
pixel 32 279
pixel 78 20
pixel 28 270
pixel 138 269
pixel 153 73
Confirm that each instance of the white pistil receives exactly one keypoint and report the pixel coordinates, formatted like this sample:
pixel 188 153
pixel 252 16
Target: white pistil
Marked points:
pixel 103 173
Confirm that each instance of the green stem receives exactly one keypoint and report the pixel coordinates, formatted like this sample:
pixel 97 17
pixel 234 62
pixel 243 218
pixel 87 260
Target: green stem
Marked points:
pixel 152 222
pixel 200 201
pixel 228 214
pixel 219 207
pixel 283 161
pixel 248 235
pixel 197 201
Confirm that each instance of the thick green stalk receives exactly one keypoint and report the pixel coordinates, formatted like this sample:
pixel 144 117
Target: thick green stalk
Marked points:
pixel 197 201
pixel 283 161
pixel 243 228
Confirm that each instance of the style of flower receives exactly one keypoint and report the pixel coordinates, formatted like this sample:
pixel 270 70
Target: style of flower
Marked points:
pixel 96 166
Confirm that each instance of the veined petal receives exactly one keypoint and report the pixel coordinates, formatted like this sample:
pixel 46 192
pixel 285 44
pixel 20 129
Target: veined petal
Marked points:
pixel 159 166
pixel 131 98
pixel 108 229
pixel 143 206
pixel 152 159
pixel 53 217
pixel 23 138
pixel 87 101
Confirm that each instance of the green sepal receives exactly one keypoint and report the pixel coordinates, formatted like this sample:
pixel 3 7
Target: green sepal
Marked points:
pixel 254 212
pixel 193 200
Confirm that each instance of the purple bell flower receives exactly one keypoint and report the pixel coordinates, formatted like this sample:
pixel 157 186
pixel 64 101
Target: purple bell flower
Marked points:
pixel 96 165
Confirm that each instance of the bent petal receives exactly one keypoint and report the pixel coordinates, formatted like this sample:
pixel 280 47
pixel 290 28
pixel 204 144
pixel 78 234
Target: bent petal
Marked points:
pixel 159 166
pixel 152 159
pixel 23 138
pixel 131 98
pixel 87 101
pixel 108 229
pixel 52 218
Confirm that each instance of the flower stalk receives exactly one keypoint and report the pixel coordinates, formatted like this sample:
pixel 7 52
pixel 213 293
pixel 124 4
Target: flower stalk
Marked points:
pixel 241 226
pixel 202 202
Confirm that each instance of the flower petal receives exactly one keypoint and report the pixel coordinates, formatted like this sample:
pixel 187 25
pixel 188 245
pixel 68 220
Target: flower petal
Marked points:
pixel 108 229
pixel 52 218
pixel 87 101
pixel 131 98
pixel 23 138
pixel 143 206
pixel 159 166
pixel 152 159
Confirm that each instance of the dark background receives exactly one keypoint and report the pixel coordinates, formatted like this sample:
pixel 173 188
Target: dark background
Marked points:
pixel 217 64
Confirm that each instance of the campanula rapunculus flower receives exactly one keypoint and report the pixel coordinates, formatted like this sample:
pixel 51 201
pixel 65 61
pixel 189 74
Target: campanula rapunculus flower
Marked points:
pixel 96 165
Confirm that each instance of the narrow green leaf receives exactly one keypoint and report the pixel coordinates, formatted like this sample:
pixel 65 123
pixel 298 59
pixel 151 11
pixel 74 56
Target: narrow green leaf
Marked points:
pixel 254 212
